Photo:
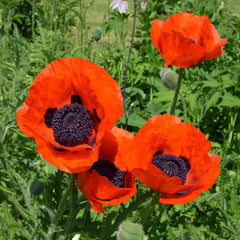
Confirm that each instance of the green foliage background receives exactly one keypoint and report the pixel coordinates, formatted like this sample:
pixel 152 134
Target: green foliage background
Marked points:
pixel 34 33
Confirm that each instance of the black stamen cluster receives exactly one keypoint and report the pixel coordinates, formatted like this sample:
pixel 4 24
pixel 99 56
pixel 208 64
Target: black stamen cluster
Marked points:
pixel 172 165
pixel 109 170
pixel 72 124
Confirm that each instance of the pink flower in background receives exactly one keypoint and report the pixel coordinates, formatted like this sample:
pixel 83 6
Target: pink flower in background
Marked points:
pixel 144 5
pixel 121 5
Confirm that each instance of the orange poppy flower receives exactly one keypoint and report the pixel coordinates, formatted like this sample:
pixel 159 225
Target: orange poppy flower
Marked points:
pixel 109 182
pixel 70 106
pixel 185 40
pixel 172 158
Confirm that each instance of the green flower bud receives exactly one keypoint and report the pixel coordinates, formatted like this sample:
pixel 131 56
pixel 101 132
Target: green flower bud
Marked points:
pixel 37 187
pixel 97 34
pixel 130 231
pixel 169 78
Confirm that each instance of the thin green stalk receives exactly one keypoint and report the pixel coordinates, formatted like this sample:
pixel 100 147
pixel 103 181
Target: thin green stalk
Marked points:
pixel 133 205
pixel 73 206
pixel 129 54
pixel 177 91
pixel 95 50
pixel 184 107
pixel 231 127
pixel 33 19
pixel 62 203
pixel 149 207
pixel 155 225
pixel 60 209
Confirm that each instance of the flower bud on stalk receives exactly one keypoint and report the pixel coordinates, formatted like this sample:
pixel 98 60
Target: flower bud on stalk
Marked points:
pixel 97 34
pixel 169 78
pixel 130 231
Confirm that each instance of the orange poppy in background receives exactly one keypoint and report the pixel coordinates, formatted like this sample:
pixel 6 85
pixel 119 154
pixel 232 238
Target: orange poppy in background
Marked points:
pixel 70 106
pixel 172 157
pixel 185 40
pixel 109 182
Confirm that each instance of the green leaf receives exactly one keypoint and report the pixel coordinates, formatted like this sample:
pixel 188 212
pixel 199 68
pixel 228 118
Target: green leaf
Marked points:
pixel 136 120
pixel 229 100
pixel 213 100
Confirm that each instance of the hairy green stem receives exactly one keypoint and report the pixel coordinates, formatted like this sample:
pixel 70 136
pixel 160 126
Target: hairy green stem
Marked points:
pixel 95 50
pixel 133 205
pixel 149 207
pixel 60 208
pixel 184 107
pixel 177 91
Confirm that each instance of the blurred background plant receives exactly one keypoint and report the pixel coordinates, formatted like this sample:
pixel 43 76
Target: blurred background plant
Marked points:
pixel 34 33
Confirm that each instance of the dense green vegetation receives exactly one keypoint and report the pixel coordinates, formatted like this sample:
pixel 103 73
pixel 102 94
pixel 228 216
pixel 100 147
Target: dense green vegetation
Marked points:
pixel 34 33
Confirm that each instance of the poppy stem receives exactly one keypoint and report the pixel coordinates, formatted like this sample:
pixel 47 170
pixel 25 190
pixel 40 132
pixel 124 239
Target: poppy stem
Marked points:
pixel 95 50
pixel 129 54
pixel 60 209
pixel 177 91
pixel 184 107
pixel 122 216
pixel 149 207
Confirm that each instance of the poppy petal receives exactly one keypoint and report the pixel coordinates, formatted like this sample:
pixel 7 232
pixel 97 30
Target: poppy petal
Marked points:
pixel 185 40
pixel 72 162
pixel 156 31
pixel 97 187
pixel 207 182
pixel 172 157
pixel 60 85
pixel 150 141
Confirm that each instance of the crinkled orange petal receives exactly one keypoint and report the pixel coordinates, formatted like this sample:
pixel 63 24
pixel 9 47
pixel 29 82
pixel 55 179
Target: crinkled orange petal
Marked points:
pixel 21 111
pixel 147 142
pixel 72 162
pixel 187 141
pixel 54 87
pixel 185 40
pixel 98 189
pixel 118 139
pixel 107 101
pixel 179 139
pixel 123 139
pixel 195 191
pixel 155 32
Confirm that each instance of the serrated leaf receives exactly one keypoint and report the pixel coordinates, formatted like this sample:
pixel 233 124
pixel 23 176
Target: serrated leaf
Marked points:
pixel 136 120
pixel 164 96
pixel 213 100
pixel 229 100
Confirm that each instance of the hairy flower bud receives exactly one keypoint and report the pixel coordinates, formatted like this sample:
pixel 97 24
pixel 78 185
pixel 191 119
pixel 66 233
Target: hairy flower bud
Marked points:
pixel 169 78
pixel 37 187
pixel 97 34
pixel 130 231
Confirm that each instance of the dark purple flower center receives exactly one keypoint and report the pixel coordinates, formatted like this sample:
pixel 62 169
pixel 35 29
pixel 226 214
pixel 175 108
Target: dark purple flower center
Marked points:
pixel 172 165
pixel 71 124
pixel 109 170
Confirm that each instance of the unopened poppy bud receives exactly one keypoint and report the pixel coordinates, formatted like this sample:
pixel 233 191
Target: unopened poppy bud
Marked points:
pixel 130 231
pixel 97 34
pixel 169 78
pixel 37 187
